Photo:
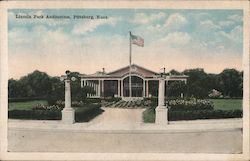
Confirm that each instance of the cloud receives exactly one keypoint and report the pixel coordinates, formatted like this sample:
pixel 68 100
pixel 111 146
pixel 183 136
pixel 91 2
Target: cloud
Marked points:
pixel 209 25
pixel 176 39
pixel 54 51
pixel 142 18
pixel 91 25
pixel 235 17
pixel 235 35
pixel 175 21
pixel 227 23
pixel 182 37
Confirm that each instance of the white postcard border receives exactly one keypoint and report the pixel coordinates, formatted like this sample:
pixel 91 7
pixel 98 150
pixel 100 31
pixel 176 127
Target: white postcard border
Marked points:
pixel 120 4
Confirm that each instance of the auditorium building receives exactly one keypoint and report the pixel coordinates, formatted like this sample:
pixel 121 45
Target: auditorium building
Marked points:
pixel 144 82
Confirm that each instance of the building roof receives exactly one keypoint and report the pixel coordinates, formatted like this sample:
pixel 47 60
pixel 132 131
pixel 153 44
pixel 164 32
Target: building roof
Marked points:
pixel 122 72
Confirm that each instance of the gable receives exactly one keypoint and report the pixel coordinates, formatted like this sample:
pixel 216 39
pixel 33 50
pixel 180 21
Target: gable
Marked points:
pixel 135 69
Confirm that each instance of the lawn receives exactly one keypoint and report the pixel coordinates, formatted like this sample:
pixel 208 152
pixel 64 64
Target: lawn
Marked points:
pixel 25 105
pixel 227 104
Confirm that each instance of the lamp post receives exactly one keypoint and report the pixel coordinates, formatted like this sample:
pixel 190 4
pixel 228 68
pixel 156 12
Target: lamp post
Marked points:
pixel 68 113
pixel 161 111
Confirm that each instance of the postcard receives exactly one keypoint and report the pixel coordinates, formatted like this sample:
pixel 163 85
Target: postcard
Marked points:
pixel 124 80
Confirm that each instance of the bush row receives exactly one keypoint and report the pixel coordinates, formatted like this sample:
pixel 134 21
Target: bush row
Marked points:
pixel 149 115
pixel 35 114
pixel 203 114
pixel 82 114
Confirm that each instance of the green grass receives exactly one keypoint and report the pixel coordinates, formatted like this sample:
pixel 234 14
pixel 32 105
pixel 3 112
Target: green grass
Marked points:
pixel 25 105
pixel 227 104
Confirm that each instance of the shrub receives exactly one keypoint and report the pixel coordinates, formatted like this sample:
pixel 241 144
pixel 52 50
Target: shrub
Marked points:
pixel 204 114
pixel 86 114
pixel 149 115
pixel 176 115
pixel 35 114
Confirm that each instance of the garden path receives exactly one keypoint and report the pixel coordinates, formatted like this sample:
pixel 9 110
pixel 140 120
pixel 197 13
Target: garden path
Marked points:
pixel 113 117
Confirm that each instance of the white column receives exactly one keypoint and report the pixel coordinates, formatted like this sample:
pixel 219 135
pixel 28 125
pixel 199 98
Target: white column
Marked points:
pixel 99 88
pixel 67 94
pixel 68 113
pixel 185 81
pixel 119 88
pixel 122 88
pixel 161 112
pixel 161 92
pixel 91 84
pixel 94 89
pixel 85 82
pixel 143 88
pixel 146 88
pixel 81 83
pixel 103 88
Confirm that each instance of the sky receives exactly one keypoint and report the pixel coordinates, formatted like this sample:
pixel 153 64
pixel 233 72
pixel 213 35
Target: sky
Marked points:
pixel 173 38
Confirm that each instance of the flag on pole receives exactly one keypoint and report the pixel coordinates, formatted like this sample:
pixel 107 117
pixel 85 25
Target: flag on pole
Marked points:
pixel 137 40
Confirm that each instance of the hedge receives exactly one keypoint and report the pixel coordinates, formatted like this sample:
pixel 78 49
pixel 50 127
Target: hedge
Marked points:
pixel 149 114
pixel 86 114
pixel 35 114
pixel 203 114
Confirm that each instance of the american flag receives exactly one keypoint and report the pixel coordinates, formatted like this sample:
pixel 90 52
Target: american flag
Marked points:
pixel 137 40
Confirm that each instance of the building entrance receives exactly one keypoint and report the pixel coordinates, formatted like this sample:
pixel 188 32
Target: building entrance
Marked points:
pixel 136 86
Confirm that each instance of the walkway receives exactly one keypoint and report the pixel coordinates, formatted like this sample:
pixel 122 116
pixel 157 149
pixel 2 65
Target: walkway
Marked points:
pixel 117 117
pixel 206 136
pixel 122 130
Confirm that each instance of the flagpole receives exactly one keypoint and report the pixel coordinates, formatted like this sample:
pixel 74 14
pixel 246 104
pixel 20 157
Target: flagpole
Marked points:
pixel 130 58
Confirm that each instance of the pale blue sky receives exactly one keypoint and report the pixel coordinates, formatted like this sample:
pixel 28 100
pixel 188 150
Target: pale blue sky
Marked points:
pixel 176 39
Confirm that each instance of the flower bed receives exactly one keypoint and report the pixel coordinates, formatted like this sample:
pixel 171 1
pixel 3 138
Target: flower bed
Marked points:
pixel 83 113
pixel 189 105
pixel 192 109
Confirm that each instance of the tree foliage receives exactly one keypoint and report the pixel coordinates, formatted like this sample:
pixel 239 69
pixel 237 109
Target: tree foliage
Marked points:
pixel 199 84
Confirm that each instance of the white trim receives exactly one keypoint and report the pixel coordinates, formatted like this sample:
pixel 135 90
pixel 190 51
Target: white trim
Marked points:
pixel 133 74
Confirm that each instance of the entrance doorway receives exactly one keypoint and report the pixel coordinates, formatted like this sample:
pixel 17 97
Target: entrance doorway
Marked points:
pixel 136 86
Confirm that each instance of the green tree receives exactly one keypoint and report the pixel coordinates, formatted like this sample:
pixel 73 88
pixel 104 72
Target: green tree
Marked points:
pixel 175 89
pixel 174 72
pixel 231 82
pixel 56 91
pixel 36 84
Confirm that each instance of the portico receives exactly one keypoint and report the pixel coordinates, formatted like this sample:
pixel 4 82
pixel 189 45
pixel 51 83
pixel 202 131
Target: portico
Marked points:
pixel 144 82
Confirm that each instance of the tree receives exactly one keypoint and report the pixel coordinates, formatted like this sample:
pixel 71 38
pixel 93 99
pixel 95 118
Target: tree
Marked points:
pixel 231 82
pixel 176 88
pixel 174 72
pixel 56 92
pixel 36 84
pixel 14 88
pixel 197 83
